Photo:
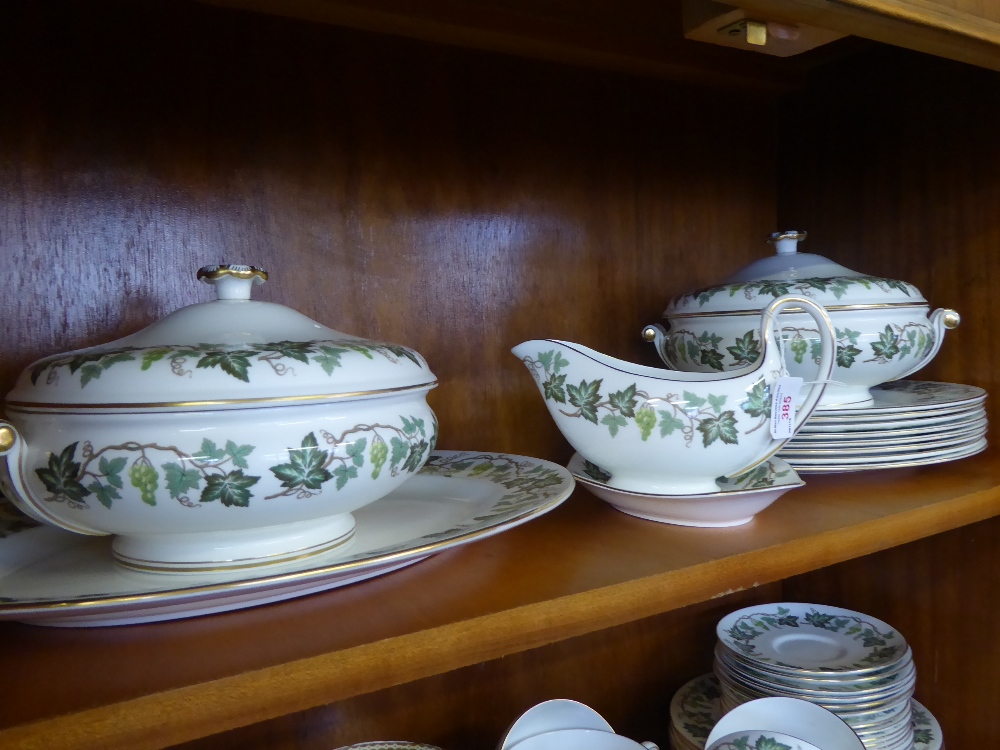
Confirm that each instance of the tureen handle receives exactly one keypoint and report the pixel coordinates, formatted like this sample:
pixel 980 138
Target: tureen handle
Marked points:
pixel 657 336
pixel 941 320
pixel 232 281
pixel 12 480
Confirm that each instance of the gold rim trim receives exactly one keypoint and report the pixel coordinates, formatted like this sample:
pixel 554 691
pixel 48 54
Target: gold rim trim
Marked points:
pixel 8 608
pixel 214 273
pixel 47 407
pixel 828 308
pixel 262 562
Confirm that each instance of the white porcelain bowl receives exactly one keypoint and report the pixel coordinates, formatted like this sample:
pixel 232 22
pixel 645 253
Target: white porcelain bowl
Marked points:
pixel 758 740
pixel 229 434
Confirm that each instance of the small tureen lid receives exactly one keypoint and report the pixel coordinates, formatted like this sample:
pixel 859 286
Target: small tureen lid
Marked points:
pixel 230 353
pixel 791 272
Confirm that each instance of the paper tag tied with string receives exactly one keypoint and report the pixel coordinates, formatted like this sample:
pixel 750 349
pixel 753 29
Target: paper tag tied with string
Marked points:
pixel 784 392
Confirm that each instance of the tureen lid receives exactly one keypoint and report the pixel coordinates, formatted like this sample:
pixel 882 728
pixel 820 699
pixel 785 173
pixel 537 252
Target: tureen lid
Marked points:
pixel 231 352
pixel 791 272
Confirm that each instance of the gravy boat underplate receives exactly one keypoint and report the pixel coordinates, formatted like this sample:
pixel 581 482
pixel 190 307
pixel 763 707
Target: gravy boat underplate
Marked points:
pixel 668 432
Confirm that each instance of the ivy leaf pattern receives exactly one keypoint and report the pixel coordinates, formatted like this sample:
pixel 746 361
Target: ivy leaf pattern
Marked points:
pixel 746 349
pixel 232 489
pixel 399 450
pixel 297 350
pixel 716 402
pixel 555 389
pixel 595 472
pixel 60 477
pixel 758 402
pixel 846 355
pixel 235 363
pixel 356 451
pixel 712 358
pixel 887 345
pixel 151 357
pixel 104 493
pixel 180 480
pixel 586 397
pixel 613 422
pixel 306 467
pixel 209 452
pixel 329 358
pixel 238 453
pixel 722 427
pixel 112 469
pixel 669 423
pixel 89 372
pixel 624 401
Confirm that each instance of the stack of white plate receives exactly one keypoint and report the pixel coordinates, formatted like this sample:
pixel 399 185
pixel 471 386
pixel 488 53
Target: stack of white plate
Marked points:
pixel 911 423
pixel 847 662
pixel 697 707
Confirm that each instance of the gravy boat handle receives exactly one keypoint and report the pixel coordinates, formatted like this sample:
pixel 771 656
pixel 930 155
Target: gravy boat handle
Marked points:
pixel 824 371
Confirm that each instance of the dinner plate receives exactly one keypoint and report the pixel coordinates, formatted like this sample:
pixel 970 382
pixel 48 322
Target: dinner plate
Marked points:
pixel 887 437
pixel 848 462
pixel 913 421
pixel 849 450
pixel 51 577
pixel 736 502
pixel 914 396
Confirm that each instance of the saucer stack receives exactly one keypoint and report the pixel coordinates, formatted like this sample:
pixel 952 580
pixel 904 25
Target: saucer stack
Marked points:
pixel 849 663
pixel 911 423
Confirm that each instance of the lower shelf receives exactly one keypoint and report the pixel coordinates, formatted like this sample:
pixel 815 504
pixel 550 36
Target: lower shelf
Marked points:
pixel 583 568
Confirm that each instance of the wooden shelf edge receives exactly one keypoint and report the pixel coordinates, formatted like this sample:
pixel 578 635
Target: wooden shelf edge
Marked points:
pixel 953 35
pixel 208 708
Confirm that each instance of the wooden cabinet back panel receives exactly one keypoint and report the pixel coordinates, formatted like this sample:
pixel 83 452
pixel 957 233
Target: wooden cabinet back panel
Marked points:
pixel 457 202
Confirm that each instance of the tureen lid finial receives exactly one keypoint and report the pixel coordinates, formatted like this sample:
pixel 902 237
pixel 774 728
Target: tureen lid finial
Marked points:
pixel 787 242
pixel 232 281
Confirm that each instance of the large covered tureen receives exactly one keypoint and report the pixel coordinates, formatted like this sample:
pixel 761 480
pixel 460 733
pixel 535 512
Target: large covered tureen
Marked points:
pixel 230 433
pixel 884 327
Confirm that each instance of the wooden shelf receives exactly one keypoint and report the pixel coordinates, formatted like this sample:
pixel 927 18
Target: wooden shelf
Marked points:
pixel 582 568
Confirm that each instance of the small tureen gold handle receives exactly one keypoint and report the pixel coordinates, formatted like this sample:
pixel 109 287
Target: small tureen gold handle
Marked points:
pixel 232 281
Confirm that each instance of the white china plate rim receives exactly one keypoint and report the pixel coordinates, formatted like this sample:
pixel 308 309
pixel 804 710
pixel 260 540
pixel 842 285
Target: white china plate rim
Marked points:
pixel 904 395
pixel 847 450
pixel 887 437
pixel 462 508
pixel 917 458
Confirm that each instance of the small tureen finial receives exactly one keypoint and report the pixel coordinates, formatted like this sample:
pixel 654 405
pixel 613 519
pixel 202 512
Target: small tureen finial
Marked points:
pixel 786 243
pixel 232 281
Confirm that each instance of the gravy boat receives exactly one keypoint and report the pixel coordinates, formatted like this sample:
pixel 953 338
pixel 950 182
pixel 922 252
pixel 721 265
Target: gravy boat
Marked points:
pixel 655 431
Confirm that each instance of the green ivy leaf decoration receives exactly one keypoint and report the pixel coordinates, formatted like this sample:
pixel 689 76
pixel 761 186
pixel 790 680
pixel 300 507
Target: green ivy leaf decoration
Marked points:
pixel 179 480
pixel 614 421
pixel 770 743
pixel 209 453
pixel 722 427
pixel 104 493
pixel 758 401
pixel 238 453
pixel 232 489
pixel 693 401
pixel 669 423
pixel 774 288
pixel 716 402
pixel 343 474
pixel 585 397
pixel 846 355
pixel 152 356
pixel 645 419
pixel 399 450
pixel 415 456
pixel 746 349
pixel 305 468
pixel 712 358
pixel 329 358
pixel 112 470
pixel 624 401
pixel 887 345
pixel 555 388
pixel 60 476
pixel 89 372
pixel 595 472
pixel 356 451
pixel 297 350
pixel 819 620
pixel 235 363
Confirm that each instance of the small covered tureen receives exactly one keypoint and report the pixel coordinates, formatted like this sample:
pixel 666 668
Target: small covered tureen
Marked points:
pixel 230 433
pixel 884 328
